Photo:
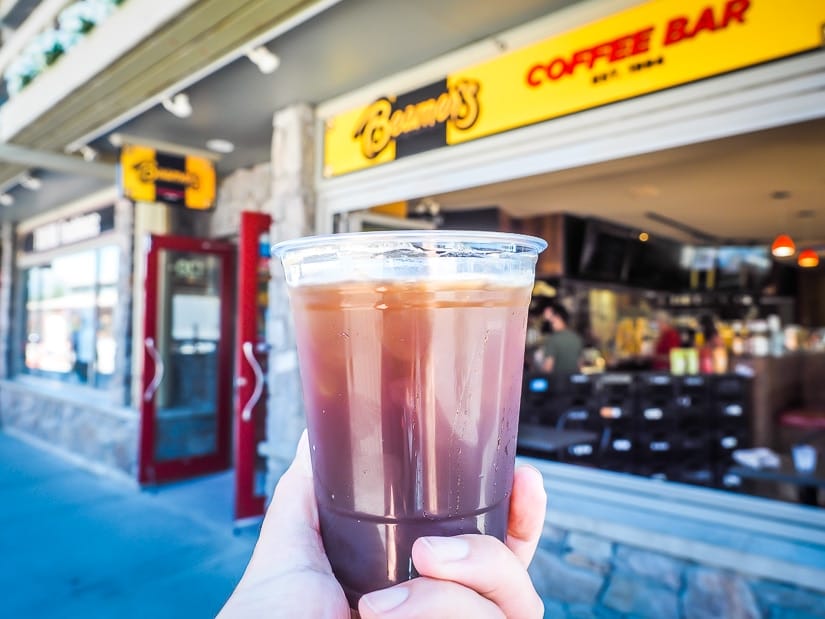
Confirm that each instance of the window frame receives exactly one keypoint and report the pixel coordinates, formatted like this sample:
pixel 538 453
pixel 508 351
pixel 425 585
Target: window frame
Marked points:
pixel 114 391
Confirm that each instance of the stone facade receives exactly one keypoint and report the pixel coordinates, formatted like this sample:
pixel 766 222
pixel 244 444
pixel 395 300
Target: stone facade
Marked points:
pixel 292 206
pixel 119 393
pixel 580 575
pixel 94 427
pixel 247 189
pixel 101 437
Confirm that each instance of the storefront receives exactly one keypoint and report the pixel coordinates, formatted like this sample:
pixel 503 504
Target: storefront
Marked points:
pixel 121 311
pixel 69 294
pixel 651 77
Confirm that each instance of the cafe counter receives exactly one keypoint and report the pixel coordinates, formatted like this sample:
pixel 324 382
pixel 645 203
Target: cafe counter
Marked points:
pixel 618 544
pixel 680 428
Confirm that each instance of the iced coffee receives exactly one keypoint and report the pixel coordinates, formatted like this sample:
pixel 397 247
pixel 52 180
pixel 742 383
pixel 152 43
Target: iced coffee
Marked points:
pixel 411 349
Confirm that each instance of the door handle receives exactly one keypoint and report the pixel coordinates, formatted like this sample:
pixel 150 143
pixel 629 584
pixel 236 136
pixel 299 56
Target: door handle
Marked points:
pixel 159 369
pixel 249 354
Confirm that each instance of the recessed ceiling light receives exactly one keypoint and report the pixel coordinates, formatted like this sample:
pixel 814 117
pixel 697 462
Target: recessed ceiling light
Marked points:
pixel 220 146
pixel 644 237
pixel 6 199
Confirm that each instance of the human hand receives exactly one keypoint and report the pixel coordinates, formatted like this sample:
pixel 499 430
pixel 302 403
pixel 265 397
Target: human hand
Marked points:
pixel 467 575
pixel 289 575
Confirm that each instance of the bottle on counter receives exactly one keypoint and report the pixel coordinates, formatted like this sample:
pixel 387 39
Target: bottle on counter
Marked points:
pixel 737 346
pixel 759 343
pixel 691 360
pixel 776 335
pixel 720 360
pixel 706 364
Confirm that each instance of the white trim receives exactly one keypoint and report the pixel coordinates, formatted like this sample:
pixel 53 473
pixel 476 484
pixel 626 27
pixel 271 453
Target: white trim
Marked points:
pixel 775 94
pixel 109 195
pixel 109 238
pixel 120 139
pixel 718 508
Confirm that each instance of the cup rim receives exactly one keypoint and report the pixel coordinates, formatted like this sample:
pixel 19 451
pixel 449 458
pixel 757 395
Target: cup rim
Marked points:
pixel 525 241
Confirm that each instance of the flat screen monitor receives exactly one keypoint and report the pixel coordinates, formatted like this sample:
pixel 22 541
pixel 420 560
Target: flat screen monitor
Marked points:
pixel 657 265
pixel 743 267
pixel 604 255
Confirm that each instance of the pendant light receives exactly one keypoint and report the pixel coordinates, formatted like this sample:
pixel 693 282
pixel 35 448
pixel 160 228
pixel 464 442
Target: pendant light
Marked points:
pixel 808 259
pixel 783 246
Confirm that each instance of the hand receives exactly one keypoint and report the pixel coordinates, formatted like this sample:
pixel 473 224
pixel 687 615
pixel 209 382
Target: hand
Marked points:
pixel 464 576
pixel 289 575
pixel 473 575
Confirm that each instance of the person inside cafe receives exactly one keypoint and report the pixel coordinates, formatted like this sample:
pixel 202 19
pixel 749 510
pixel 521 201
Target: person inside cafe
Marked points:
pixel 669 339
pixel 562 348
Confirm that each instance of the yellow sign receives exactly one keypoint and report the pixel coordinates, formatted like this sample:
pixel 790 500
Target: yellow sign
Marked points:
pixel 644 49
pixel 149 176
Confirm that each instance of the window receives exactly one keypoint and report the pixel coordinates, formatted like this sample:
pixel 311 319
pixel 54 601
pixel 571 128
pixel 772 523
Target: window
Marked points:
pixel 69 305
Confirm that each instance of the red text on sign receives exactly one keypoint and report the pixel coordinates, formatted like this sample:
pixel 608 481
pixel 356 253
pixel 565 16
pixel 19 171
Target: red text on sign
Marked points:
pixel 610 51
pixel 682 28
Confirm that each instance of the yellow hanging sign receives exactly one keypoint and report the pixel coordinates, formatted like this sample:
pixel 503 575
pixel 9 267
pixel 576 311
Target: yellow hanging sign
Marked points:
pixel 644 49
pixel 146 175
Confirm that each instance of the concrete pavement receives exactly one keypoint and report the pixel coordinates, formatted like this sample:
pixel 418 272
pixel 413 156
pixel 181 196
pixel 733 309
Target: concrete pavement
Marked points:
pixel 75 544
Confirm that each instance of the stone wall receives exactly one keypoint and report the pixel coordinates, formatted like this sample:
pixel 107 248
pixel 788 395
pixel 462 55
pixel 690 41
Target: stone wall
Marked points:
pixel 102 437
pixel 118 393
pixel 293 211
pixel 583 576
pixel 247 189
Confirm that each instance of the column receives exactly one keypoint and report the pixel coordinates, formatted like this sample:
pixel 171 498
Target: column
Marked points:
pixel 292 206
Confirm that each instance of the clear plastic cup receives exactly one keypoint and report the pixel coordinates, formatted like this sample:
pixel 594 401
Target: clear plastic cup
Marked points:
pixel 411 350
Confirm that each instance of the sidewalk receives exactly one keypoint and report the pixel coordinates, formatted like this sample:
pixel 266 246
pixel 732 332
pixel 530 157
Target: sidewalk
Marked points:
pixel 73 544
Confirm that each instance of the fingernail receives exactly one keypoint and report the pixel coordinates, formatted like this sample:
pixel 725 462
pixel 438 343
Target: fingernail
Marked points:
pixel 447 548
pixel 535 472
pixel 386 599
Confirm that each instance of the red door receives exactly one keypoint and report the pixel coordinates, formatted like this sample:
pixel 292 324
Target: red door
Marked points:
pixel 187 361
pixel 250 364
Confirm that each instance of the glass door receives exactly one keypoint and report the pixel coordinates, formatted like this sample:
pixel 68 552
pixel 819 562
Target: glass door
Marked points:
pixel 187 363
